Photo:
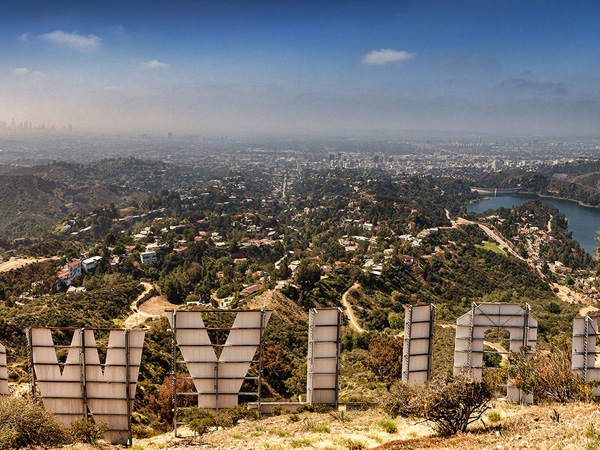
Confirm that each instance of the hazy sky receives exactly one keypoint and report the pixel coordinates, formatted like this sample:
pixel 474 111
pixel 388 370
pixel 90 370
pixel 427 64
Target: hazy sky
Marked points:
pixel 490 66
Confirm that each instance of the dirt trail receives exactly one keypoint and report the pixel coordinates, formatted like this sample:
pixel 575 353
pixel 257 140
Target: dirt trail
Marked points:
pixel 570 296
pixel 139 317
pixel 496 346
pixel 348 310
pixel 586 310
pixel 16 263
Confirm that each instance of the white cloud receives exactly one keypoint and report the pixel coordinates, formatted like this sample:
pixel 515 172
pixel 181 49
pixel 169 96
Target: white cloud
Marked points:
pixel 75 41
pixel 386 56
pixel 20 71
pixel 24 37
pixel 153 64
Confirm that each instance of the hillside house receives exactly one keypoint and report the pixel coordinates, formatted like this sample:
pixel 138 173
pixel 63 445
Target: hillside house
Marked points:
pixel 91 263
pixel 148 257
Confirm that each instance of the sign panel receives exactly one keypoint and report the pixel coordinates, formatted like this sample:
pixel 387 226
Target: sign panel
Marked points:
pixel 218 381
pixel 583 361
pixel 324 345
pixel 418 343
pixel 85 384
pixel 3 371
pixel 470 334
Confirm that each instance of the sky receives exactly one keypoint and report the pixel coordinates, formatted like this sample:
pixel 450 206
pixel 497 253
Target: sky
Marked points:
pixel 492 67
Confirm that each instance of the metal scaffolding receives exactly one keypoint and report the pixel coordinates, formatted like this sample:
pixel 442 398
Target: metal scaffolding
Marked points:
pixel 418 343
pixel 471 331
pixel 219 359
pixel 82 386
pixel 583 361
pixel 3 371
pixel 324 347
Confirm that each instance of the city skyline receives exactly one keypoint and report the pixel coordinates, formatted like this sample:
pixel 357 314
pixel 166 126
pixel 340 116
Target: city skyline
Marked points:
pixel 506 67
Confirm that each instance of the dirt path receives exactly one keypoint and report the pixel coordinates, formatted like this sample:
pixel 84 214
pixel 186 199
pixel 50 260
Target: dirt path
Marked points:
pixel 586 310
pixel 501 350
pixel 139 317
pixel 16 263
pixel 348 310
pixel 569 296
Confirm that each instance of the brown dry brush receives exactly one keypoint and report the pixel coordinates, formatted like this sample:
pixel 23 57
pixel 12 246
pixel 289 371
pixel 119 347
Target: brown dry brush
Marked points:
pixel 451 402
pixel 25 423
pixel 548 375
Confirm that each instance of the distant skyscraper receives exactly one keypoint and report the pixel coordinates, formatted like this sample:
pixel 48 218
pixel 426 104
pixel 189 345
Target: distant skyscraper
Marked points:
pixel 170 136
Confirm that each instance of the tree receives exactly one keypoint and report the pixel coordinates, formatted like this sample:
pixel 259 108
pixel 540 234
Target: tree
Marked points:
pixel 307 274
pixel 385 357
pixel 277 368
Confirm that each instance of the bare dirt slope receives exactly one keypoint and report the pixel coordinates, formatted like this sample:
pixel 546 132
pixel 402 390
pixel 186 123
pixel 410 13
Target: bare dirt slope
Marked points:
pixel 16 263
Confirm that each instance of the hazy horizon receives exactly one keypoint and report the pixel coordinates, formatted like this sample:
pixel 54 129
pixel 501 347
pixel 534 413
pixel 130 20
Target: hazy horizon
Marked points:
pixel 494 68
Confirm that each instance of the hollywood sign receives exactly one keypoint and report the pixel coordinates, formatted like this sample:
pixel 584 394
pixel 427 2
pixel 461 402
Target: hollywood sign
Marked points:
pixel 83 386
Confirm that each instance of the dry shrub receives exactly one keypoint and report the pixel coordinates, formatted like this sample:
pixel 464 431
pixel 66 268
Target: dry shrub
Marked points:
pixel 450 402
pixel 25 423
pixel 548 375
pixel 86 431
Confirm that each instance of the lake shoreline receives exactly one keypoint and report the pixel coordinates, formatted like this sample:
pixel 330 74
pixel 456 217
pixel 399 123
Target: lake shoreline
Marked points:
pixel 584 220
pixel 532 194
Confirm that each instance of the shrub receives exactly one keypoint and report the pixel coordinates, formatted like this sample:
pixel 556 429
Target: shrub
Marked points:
pixel 402 400
pixel 321 408
pixel 450 402
pixel 278 410
pixel 294 418
pixel 547 375
pixel 86 431
pixel 25 423
pixel 494 417
pixel 354 445
pixel 200 420
pixel 305 408
pixel 239 412
pixel 389 426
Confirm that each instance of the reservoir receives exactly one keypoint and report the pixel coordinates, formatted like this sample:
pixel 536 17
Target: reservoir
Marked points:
pixel 584 222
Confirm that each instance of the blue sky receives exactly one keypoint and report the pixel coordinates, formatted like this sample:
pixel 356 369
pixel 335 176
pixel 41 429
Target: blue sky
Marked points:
pixel 493 67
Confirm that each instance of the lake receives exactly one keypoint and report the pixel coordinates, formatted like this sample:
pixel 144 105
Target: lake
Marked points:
pixel 584 222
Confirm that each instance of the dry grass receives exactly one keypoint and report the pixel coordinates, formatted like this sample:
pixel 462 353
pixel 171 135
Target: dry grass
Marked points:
pixel 519 427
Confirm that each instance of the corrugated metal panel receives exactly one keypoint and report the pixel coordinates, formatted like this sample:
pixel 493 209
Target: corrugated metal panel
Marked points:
pixel 583 361
pixel 3 371
pixel 470 334
pixel 218 382
pixel 323 355
pixel 418 343
pixel 83 385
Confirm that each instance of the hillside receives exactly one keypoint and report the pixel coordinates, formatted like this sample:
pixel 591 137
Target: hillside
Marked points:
pixel 31 204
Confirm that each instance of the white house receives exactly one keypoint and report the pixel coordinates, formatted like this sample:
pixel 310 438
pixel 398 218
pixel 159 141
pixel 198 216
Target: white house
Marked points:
pixel 148 257
pixel 91 263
